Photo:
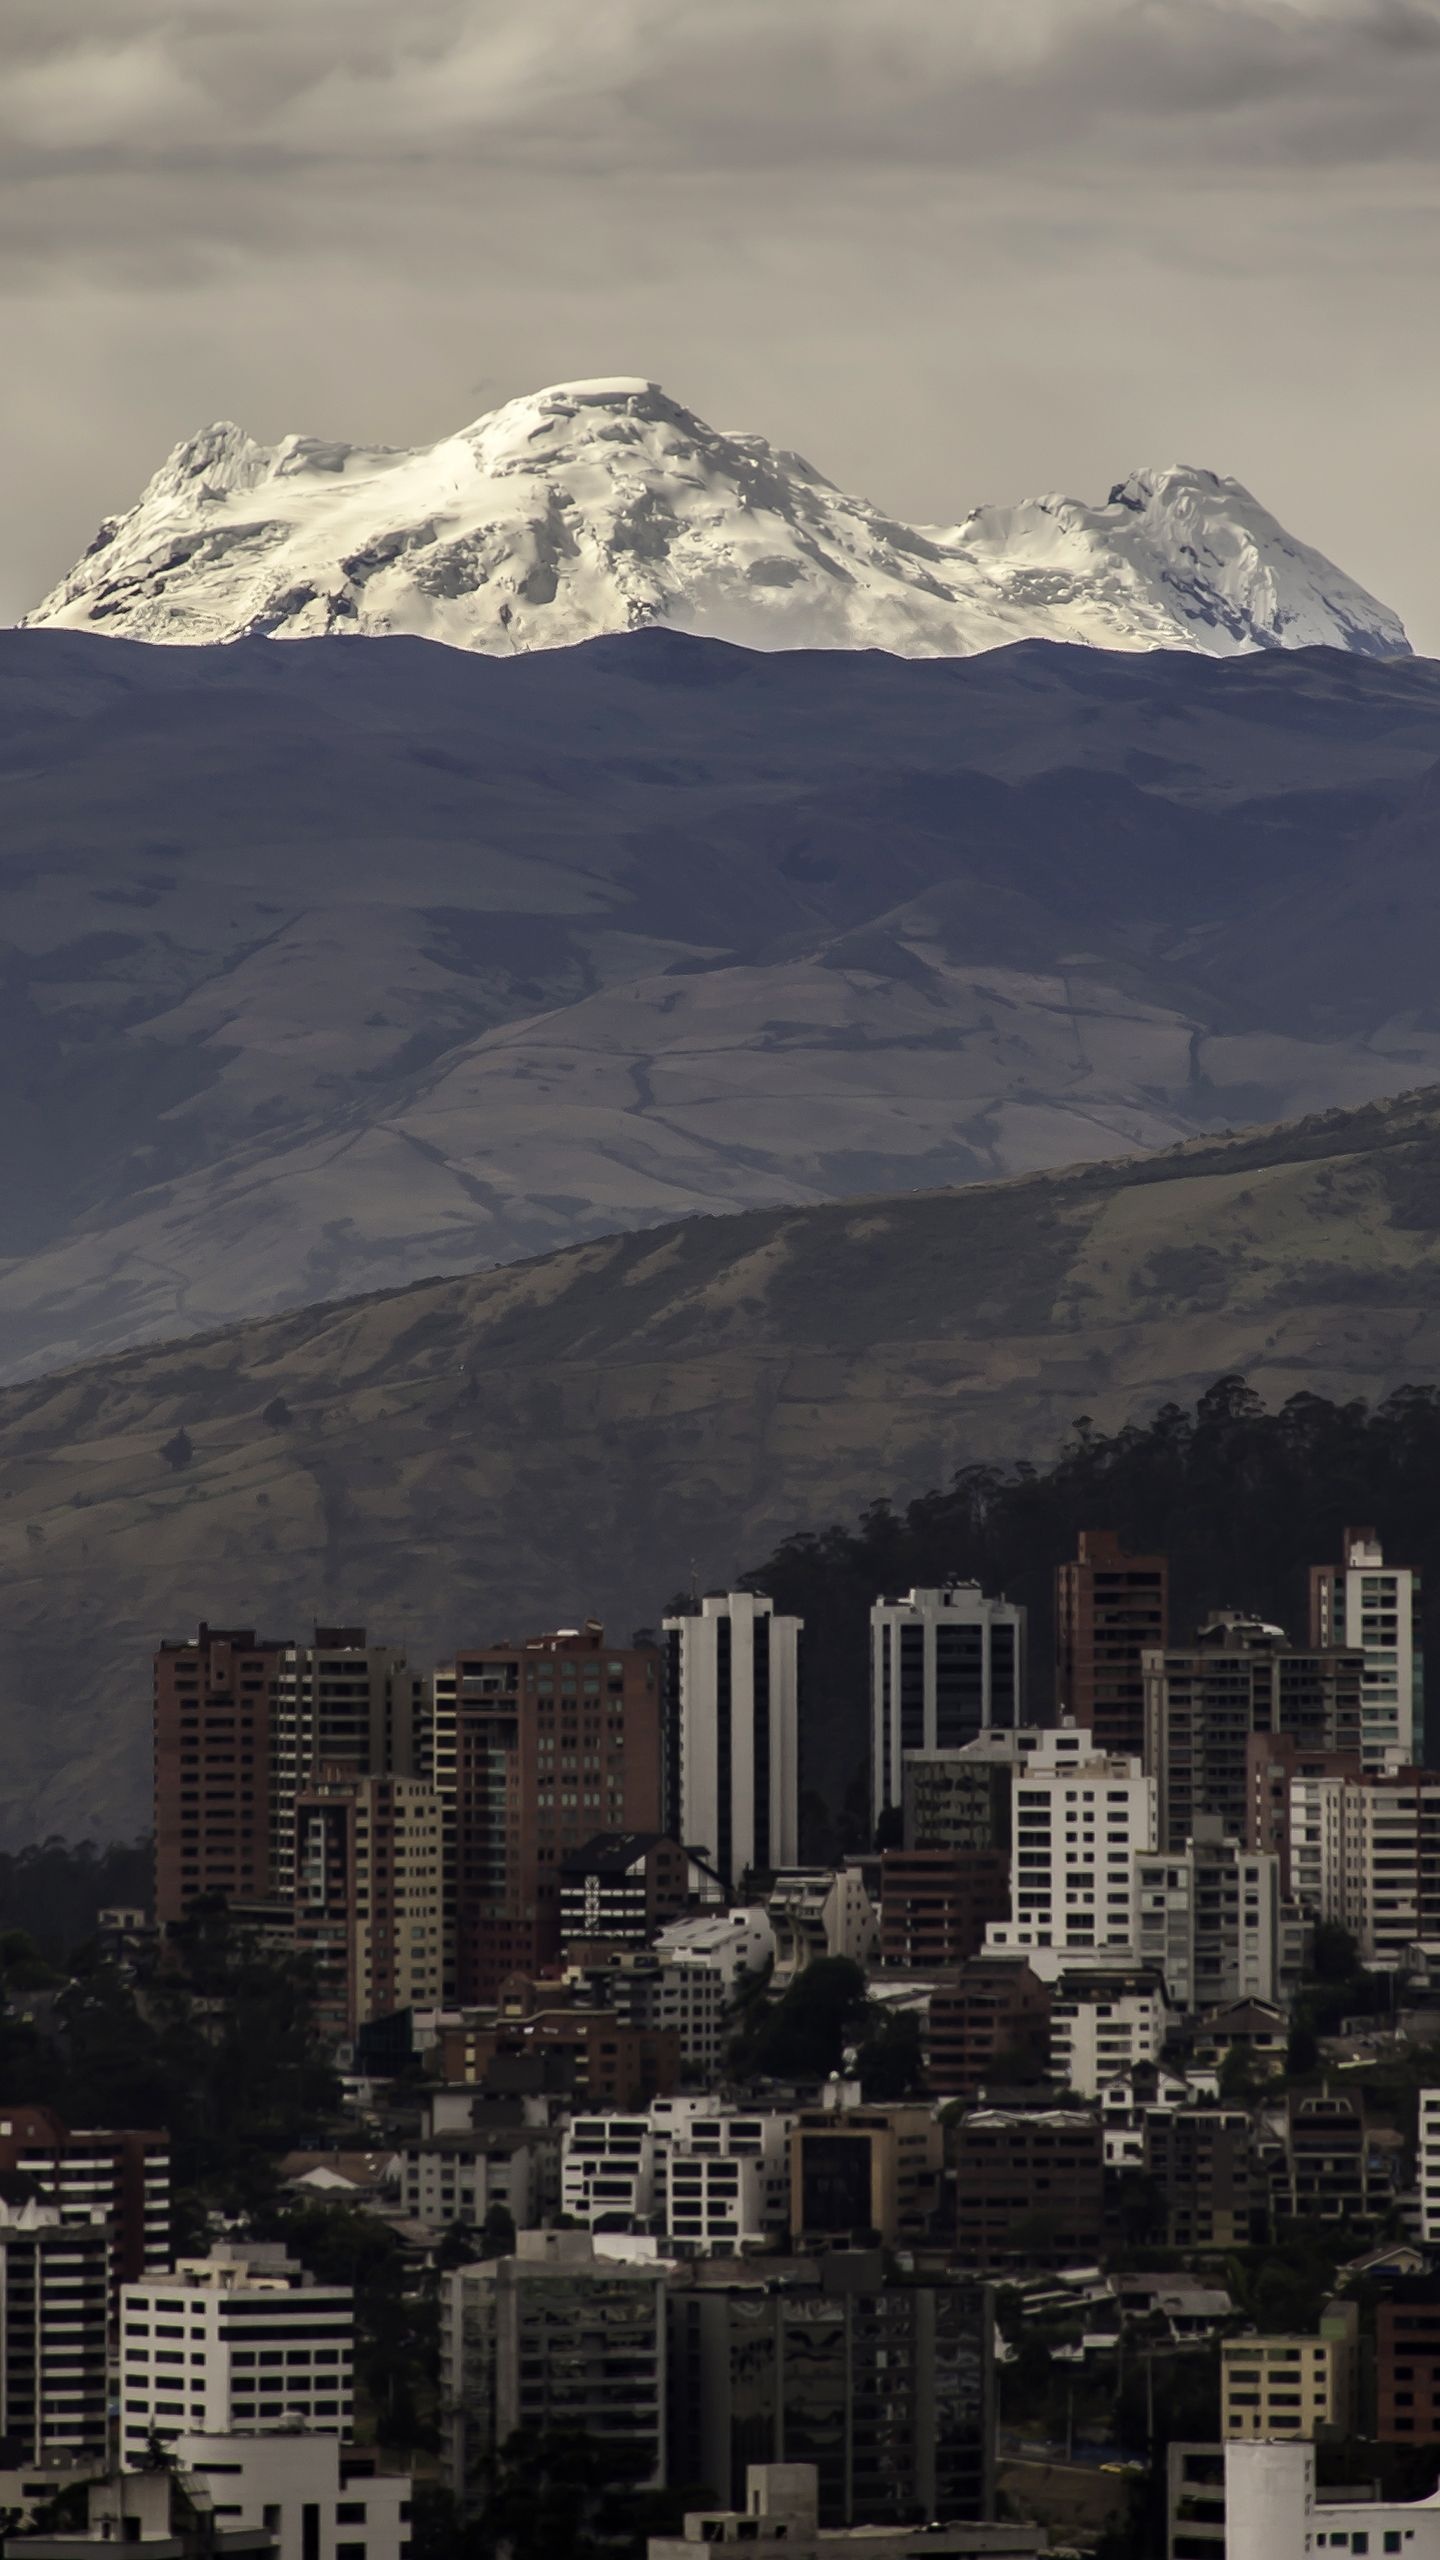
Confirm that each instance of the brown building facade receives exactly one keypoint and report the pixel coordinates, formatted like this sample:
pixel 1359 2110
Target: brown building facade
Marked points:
pixel 935 1904
pixel 215 1712
pixel 611 2063
pixel 1407 2362
pixel 124 2176
pixel 1110 1608
pixel 555 1739
pixel 1030 2189
pixel 991 2011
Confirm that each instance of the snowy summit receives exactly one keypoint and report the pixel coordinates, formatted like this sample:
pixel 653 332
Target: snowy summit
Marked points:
pixel 605 506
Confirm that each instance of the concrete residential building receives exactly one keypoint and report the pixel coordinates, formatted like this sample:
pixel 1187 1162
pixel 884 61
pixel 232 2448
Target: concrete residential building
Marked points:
pixel 215 1708
pixel 821 1911
pixel 781 2521
pixel 1364 1850
pixel 1030 2189
pixel 322 2500
pixel 119 2178
pixel 700 2172
pixel 1428 2167
pixel 706 1960
pixel 887 2386
pixel 1298 2386
pixel 1078 1829
pixel 237 2340
pixel 955 1800
pixel 1204 2161
pixel 945 1666
pixel 936 1905
pixel 1407 2360
pixel 341 1706
pixel 1240 1677
pixel 1110 1610
pixel 166 2511
pixel 1273 2510
pixel 1102 2024
pixel 555 1739
pixel 54 2326
pixel 464 2175
pixel 1208 1918
pixel 734 1689
pixel 859 2173
pixel 1365 1605
pixel 369 1897
pixel 555 2338
pixel 988 2013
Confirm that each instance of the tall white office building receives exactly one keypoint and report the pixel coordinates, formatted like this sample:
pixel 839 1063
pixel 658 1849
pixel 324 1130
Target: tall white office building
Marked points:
pixel 1373 1608
pixel 945 1667
pixel 734 1737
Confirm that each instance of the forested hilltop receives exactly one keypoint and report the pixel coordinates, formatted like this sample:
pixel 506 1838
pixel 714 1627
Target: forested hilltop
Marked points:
pixel 1243 1500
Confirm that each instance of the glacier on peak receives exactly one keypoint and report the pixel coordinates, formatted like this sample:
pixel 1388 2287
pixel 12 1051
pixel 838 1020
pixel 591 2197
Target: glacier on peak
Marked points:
pixel 606 505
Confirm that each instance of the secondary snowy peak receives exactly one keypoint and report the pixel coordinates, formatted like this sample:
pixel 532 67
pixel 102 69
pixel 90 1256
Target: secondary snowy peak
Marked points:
pixel 605 506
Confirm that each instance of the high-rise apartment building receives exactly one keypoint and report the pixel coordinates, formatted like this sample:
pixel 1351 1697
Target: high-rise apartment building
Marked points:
pixel 1208 1917
pixel 122 2179
pixel 239 2340
pixel 885 2385
pixel 1078 1828
pixel 945 1666
pixel 369 1897
pixel 555 1739
pixel 341 1704
pixel 734 1700
pixel 242 1725
pixel 553 2340
pixel 54 2304
pixel 1110 1608
pixel 1240 1677
pixel 1364 1850
pixel 215 1711
pixel 1373 1608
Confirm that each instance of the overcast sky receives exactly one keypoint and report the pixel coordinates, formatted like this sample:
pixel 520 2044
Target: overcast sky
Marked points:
pixel 957 251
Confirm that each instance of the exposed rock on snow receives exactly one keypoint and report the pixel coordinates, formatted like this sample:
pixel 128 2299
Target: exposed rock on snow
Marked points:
pixel 605 506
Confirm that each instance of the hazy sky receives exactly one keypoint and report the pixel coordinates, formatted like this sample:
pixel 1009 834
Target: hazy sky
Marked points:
pixel 955 250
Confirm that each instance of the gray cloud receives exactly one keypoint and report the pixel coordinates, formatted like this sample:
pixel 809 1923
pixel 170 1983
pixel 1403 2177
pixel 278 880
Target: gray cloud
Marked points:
pixel 954 248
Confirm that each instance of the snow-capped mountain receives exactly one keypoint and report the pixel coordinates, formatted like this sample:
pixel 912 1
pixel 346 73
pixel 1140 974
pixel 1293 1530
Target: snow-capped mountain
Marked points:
pixel 605 506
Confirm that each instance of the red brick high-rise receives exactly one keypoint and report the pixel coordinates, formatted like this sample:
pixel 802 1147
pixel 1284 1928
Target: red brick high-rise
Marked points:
pixel 215 1709
pixel 554 1740
pixel 1110 1607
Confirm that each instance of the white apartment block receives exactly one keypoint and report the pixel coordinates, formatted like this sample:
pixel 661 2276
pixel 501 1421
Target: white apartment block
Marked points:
pixel 607 2172
pixel 321 2499
pixel 1273 2510
pixel 1076 1833
pixel 463 2176
pixel 700 2172
pixel 703 1961
pixel 1208 1918
pixel 1428 2167
pixel 1101 2025
pixel 237 2340
pixel 945 1666
pixel 1374 1608
pixel 821 1911
pixel 1359 1854
pixel 735 1684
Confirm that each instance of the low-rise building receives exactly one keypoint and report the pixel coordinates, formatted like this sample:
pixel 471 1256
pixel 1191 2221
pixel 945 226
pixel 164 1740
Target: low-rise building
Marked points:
pixel 612 2061
pixel 1208 1917
pixel 321 2499
pixel 1273 2510
pixel 821 1911
pixel 171 2515
pixel 465 2175
pixel 780 2520
pixel 1292 2386
pixel 1407 2361
pixel 625 1886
